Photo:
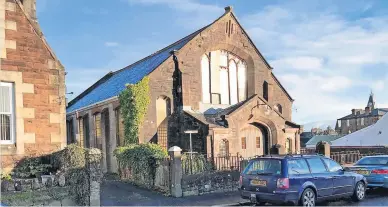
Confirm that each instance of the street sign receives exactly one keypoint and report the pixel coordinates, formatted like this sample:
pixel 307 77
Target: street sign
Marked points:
pixel 191 132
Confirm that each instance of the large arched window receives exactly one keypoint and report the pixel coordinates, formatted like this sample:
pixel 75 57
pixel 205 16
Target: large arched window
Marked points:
pixel 223 78
pixel 205 69
pixel 242 81
pixel 233 82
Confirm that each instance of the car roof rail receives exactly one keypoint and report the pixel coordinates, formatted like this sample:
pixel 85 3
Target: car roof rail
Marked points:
pixel 302 155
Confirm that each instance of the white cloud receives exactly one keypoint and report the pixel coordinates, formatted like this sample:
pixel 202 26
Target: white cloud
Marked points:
pixel 337 83
pixel 298 63
pixel 378 85
pixel 111 44
pixel 321 56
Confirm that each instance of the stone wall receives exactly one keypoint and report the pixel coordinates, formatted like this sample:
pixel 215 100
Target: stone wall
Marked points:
pixel 19 192
pixel 39 85
pixel 211 182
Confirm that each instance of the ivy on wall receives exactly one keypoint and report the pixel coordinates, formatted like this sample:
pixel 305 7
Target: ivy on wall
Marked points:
pixel 134 101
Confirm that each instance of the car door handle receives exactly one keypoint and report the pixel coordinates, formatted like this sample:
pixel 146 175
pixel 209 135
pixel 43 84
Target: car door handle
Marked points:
pixel 315 178
pixel 335 177
pixel 327 178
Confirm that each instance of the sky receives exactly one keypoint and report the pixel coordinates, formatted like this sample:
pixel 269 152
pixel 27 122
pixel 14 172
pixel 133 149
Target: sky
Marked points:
pixel 329 55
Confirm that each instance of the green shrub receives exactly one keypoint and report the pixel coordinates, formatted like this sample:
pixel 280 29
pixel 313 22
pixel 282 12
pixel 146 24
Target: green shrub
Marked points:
pixel 30 167
pixel 6 177
pixel 198 164
pixel 72 157
pixel 142 161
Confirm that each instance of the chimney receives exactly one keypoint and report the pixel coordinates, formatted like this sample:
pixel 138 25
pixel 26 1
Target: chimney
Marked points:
pixel 228 9
pixel 354 111
pixel 367 110
pixel 30 8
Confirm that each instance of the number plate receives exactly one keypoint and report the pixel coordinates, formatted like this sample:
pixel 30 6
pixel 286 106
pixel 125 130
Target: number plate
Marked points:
pixel 253 198
pixel 363 172
pixel 259 182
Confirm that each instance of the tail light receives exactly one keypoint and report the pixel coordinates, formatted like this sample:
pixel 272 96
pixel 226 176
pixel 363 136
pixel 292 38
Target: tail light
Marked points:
pixel 380 171
pixel 240 181
pixel 283 183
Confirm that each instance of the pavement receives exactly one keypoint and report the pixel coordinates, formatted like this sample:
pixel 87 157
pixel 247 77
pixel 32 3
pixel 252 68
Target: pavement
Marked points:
pixel 118 193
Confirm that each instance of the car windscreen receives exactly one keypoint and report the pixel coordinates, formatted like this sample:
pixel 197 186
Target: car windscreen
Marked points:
pixel 264 167
pixel 373 161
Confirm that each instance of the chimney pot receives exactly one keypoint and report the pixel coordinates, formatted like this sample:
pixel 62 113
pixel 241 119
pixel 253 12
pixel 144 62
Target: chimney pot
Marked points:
pixel 353 111
pixel 228 9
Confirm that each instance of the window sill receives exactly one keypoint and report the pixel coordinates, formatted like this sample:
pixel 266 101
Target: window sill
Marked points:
pixel 8 149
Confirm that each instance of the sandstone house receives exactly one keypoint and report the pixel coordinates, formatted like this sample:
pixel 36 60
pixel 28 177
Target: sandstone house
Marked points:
pixel 360 118
pixel 32 87
pixel 214 80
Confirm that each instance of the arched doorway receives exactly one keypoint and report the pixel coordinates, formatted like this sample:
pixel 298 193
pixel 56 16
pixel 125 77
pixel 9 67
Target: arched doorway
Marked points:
pixel 254 140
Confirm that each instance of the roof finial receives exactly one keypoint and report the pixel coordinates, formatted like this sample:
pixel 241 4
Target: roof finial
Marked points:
pixel 228 9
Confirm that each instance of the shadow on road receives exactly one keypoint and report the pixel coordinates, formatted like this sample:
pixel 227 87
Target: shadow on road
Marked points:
pixel 374 197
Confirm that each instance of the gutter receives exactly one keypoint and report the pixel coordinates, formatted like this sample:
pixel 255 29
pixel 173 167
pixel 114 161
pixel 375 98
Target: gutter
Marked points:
pixel 91 105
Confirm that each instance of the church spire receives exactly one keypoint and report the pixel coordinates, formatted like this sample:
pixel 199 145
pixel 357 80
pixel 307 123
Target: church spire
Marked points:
pixel 371 101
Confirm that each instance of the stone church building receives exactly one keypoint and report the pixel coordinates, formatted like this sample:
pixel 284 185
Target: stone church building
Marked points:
pixel 360 118
pixel 214 81
pixel 32 87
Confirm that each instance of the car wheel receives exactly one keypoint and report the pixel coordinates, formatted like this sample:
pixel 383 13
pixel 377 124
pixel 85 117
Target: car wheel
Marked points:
pixel 308 198
pixel 359 191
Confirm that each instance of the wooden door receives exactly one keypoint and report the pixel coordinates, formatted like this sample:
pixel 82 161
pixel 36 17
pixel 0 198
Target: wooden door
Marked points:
pixel 251 141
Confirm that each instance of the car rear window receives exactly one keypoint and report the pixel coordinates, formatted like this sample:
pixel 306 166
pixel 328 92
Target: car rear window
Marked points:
pixel 373 161
pixel 264 167
pixel 298 166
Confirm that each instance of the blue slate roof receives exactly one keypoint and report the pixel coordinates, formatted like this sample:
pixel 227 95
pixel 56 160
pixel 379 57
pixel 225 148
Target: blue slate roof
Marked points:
pixel 131 74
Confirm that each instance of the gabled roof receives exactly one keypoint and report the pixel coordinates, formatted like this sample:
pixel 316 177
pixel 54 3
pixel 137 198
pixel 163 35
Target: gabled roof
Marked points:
pixel 114 82
pixel 317 138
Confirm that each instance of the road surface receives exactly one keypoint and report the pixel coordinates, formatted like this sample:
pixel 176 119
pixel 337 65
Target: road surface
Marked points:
pixel 373 198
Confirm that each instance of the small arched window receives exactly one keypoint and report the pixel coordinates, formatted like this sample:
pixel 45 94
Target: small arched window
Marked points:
pixel 278 108
pixel 288 146
pixel 224 148
pixel 265 90
pixel 163 109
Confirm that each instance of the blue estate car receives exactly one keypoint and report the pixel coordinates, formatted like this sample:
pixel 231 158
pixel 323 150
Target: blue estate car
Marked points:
pixel 298 179
pixel 375 170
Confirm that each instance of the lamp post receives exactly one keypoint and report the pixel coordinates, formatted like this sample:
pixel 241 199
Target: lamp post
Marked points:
pixel 191 147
